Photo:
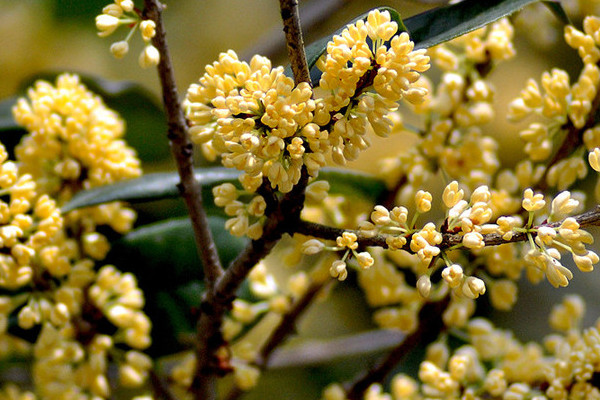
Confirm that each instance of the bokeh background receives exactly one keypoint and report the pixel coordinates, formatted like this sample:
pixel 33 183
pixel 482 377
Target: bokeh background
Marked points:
pixel 40 37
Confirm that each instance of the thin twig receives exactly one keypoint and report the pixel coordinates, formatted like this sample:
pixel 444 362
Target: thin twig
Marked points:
pixel 284 329
pixel 294 41
pixel 313 14
pixel 189 187
pixel 182 149
pixel 430 326
pixel 589 218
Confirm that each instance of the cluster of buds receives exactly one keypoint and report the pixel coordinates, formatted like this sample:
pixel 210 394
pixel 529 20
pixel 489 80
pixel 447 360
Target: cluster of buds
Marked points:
pixel 348 242
pixel 123 12
pixel 254 118
pixel 247 217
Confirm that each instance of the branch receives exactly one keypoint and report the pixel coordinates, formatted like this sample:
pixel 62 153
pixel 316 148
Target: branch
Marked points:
pixel 589 218
pixel 282 216
pixel 294 41
pixel 284 329
pixel 189 187
pixel 313 13
pixel 182 150
pixel 430 326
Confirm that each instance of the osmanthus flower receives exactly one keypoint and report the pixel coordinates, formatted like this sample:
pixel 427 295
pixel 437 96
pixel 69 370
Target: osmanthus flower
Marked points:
pixel 366 70
pixel 75 142
pixel 123 12
pixel 256 120
pixel 28 222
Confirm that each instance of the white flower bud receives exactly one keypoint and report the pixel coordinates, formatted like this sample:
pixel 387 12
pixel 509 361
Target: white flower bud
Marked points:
pixel 119 49
pixel 149 57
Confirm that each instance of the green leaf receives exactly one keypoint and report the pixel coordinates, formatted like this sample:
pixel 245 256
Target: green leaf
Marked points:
pixel 316 49
pixel 146 127
pixel 352 183
pixel 445 23
pixel 164 259
pixel 163 254
pixel 149 187
pixel 163 185
pixel 558 11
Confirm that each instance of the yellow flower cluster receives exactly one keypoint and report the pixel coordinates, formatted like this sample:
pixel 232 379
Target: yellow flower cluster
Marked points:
pixel 493 364
pixel 460 104
pixel 563 103
pixel 73 143
pixel 253 117
pixel 123 12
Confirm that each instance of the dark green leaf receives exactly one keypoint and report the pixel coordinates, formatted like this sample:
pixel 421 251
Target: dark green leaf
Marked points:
pixel 162 185
pixel 149 187
pixel 353 183
pixel 445 23
pixel 163 254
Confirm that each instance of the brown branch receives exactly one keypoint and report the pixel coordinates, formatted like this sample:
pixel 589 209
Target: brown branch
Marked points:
pixel 313 14
pixel 284 329
pixel 294 41
pixel 282 216
pixel 189 188
pixel 430 326
pixel 182 149
pixel 589 218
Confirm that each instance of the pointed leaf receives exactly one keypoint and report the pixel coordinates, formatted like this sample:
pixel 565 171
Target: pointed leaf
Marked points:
pixel 149 187
pixel 445 23
pixel 163 185
pixel 353 183
pixel 164 254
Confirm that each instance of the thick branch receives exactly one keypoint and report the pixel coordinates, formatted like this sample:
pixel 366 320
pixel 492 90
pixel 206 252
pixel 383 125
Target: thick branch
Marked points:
pixel 182 150
pixel 282 216
pixel 430 326
pixel 294 41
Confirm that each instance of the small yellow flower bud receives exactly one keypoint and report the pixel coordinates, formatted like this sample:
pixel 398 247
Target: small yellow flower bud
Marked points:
pixel 148 29
pixel 594 159
pixel 149 57
pixel 106 24
pixel 473 287
pixel 312 246
pixel 531 202
pixel 424 285
pixel 365 260
pixel 119 49
pixel 423 200
pixel 473 240
pixel 338 270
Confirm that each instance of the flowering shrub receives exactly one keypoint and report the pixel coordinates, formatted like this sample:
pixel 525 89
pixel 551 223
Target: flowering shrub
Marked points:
pixel 427 257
